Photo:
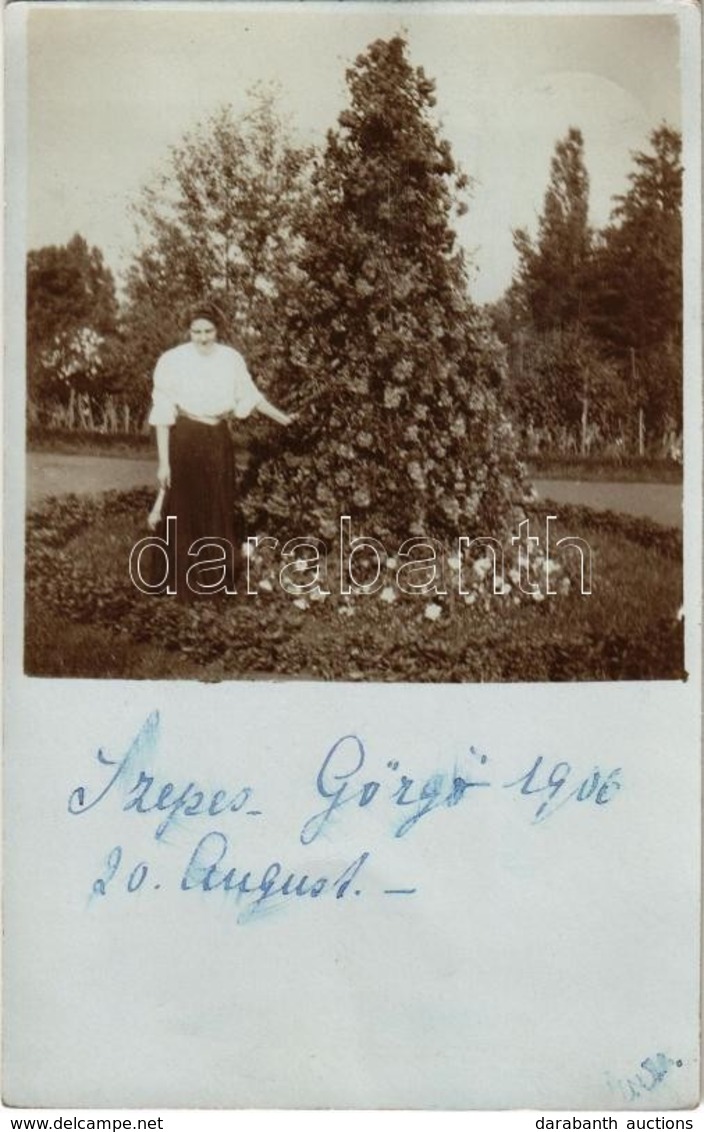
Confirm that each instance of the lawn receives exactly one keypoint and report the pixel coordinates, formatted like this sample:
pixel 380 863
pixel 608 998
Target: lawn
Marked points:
pixel 85 618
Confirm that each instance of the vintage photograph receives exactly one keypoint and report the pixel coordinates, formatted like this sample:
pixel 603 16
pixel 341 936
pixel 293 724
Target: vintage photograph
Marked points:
pixel 354 344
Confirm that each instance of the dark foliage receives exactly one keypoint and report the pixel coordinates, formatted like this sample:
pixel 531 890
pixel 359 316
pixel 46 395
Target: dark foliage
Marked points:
pixel 593 320
pixel 267 635
pixel 72 315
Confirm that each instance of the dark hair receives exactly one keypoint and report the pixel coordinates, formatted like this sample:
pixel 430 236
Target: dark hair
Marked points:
pixel 208 311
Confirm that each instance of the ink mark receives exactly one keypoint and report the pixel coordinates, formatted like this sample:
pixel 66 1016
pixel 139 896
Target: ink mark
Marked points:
pixel 598 787
pixel 399 891
pixel 212 867
pixel 144 744
pixel 342 784
pixel 142 793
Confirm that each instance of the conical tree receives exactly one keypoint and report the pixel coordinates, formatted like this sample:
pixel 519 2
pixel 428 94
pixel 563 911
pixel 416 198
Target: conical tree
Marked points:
pixel 396 377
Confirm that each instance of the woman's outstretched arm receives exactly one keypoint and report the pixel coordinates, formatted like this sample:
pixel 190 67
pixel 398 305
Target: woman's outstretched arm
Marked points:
pixel 269 410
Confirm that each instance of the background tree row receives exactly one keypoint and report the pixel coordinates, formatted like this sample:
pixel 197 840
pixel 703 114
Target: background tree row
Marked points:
pixel 344 262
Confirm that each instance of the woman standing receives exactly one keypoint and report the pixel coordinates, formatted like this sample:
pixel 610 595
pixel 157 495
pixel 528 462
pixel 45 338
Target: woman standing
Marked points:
pixel 196 387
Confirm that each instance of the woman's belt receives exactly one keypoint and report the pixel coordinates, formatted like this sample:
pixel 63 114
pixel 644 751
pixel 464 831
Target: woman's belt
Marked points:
pixel 203 420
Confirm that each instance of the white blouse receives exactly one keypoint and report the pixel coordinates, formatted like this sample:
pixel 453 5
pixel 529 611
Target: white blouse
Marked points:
pixel 201 385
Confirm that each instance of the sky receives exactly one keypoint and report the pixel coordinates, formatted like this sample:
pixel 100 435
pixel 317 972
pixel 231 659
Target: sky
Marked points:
pixel 110 88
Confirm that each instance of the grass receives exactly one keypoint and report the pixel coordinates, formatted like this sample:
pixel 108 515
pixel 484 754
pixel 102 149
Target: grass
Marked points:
pixel 86 619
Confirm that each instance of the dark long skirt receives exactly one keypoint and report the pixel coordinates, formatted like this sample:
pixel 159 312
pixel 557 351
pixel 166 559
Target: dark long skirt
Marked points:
pixel 202 499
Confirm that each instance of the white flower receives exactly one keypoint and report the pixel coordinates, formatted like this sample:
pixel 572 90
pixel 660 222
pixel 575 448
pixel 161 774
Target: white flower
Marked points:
pixel 265 585
pixel 538 595
pixel 345 610
pixel 451 508
pixel 505 589
pixel 470 599
pixel 482 567
pixel 318 595
pixel 432 611
pixel 403 369
pixel 391 563
pixel 247 549
pixel 476 400
pixel 414 471
pixel 454 564
pixel 388 594
pixel 301 603
pixel 564 586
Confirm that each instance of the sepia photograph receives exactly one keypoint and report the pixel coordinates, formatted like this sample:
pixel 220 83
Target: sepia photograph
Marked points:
pixel 354 344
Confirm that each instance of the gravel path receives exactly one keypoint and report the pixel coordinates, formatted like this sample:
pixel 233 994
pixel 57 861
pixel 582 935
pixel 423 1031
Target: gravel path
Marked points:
pixel 57 474
pixel 51 473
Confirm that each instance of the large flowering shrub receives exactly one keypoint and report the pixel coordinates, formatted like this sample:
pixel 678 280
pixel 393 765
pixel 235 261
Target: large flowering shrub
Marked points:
pixel 396 377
